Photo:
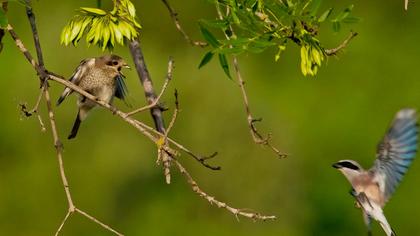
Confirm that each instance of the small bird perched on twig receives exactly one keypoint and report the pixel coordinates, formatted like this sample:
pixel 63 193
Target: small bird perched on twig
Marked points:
pixel 101 77
pixel 373 188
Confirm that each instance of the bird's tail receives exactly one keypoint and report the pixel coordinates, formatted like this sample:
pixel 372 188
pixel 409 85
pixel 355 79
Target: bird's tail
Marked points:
pixel 387 228
pixel 76 126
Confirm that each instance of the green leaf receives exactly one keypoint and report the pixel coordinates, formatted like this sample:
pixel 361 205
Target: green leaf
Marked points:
pixel 336 26
pixel 218 24
pixel 106 34
pixel 206 59
pixel 3 19
pixel 131 9
pixel 314 7
pixel 209 37
pixel 95 11
pixel 351 19
pixel 325 15
pixel 345 13
pixel 224 63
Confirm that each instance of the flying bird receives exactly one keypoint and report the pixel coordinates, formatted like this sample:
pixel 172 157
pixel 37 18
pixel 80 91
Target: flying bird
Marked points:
pixel 101 77
pixel 374 187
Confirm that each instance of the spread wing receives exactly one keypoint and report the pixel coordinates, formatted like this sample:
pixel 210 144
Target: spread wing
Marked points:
pixel 396 151
pixel 121 89
pixel 80 71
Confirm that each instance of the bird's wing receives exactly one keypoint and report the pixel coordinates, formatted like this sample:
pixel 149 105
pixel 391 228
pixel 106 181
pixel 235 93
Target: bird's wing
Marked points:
pixel 396 151
pixel 75 78
pixel 120 89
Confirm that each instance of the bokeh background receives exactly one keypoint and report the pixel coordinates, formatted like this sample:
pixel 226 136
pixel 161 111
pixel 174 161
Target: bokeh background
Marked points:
pixel 341 113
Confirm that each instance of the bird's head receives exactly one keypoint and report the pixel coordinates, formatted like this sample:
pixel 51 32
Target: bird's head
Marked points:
pixel 349 168
pixel 114 62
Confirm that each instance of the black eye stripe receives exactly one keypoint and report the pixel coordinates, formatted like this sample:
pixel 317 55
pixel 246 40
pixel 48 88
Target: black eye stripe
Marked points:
pixel 349 165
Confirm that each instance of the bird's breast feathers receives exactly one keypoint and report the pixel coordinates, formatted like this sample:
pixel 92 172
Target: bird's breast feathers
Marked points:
pixel 366 184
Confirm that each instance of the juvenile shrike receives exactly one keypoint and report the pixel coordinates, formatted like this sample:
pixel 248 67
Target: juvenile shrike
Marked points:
pixel 101 77
pixel 373 188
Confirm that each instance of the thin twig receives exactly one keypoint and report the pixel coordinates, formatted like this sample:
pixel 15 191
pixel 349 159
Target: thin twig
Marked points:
pixel 334 51
pixel 256 136
pixel 212 200
pixel 97 221
pixel 164 156
pixel 174 116
pixel 35 109
pixel 199 158
pixel 174 17
pixel 63 222
pixel 165 85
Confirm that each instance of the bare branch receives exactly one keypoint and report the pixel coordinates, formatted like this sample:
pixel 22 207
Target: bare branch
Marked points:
pixel 97 221
pixel 164 156
pixel 212 200
pixel 63 222
pixel 174 116
pixel 174 17
pixel 256 136
pixel 165 85
pixel 200 158
pixel 334 51
pixel 147 83
pixel 35 109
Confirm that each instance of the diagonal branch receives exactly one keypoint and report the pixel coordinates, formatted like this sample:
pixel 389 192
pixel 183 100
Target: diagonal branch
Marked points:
pixel 212 200
pixel 178 26
pixel 334 51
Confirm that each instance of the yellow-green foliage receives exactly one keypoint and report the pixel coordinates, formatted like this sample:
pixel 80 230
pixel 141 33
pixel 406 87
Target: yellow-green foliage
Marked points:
pixel 102 28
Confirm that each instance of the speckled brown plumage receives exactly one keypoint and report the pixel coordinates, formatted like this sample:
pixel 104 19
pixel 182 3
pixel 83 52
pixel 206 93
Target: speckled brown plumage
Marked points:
pixel 101 77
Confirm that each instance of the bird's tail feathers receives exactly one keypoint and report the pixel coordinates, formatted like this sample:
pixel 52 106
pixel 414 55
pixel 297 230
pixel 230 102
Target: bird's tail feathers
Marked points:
pixel 387 228
pixel 75 128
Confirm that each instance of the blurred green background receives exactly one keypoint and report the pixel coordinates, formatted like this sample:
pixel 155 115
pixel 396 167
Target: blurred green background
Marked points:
pixel 340 114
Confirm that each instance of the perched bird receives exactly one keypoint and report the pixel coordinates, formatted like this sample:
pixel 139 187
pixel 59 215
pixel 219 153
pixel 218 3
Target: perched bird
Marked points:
pixel 101 77
pixel 373 188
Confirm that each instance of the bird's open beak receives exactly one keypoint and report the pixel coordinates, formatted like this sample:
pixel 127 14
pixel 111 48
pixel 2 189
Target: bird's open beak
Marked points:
pixel 336 165
pixel 125 65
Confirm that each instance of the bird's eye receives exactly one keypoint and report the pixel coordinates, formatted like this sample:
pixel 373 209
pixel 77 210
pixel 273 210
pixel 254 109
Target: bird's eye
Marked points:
pixel 114 63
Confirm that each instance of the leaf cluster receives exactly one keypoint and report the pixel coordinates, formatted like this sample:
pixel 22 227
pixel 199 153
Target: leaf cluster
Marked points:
pixel 256 25
pixel 102 28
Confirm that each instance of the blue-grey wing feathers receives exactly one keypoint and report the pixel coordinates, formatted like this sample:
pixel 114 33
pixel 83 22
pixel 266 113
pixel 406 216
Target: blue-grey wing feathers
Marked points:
pixel 396 151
